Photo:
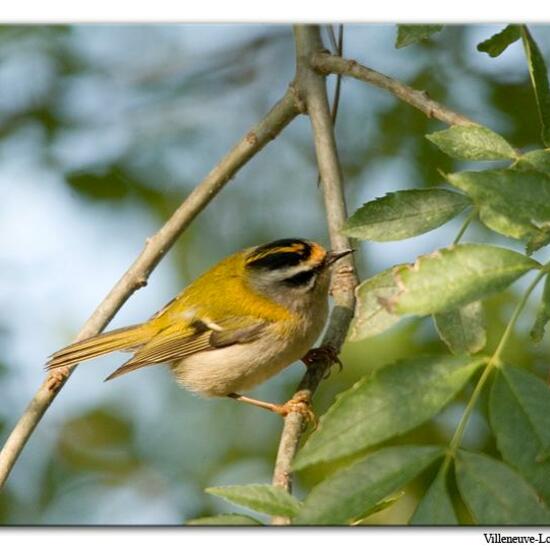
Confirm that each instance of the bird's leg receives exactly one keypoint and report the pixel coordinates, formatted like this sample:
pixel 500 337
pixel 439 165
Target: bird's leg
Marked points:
pixel 300 403
pixel 328 354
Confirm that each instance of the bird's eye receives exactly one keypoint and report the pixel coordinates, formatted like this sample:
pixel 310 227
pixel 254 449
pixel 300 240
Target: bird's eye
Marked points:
pixel 300 279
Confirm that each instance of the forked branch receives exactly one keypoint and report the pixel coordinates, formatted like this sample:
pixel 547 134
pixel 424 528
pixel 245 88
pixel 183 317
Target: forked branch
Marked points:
pixel 313 64
pixel 325 63
pixel 312 89
pixel 307 92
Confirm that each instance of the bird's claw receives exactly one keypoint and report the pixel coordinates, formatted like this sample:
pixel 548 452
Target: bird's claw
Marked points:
pixel 301 404
pixel 327 354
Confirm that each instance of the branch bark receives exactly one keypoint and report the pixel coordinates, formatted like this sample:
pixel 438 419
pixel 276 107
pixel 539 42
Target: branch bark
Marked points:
pixel 313 64
pixel 308 92
pixel 312 89
pixel 325 64
pixel 155 249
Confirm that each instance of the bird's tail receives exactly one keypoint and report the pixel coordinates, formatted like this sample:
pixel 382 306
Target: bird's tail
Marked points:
pixel 122 339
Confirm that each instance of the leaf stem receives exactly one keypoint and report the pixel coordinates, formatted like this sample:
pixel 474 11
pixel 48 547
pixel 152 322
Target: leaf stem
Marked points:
pixel 494 361
pixel 465 225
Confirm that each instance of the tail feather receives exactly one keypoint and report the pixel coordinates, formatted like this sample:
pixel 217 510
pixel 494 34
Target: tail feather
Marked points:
pixel 129 366
pixel 123 339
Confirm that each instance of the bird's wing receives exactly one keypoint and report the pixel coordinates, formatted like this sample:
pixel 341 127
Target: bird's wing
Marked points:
pixel 171 345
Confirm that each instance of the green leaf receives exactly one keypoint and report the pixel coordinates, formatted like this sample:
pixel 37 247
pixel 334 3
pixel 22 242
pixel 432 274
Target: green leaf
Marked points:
pixel 472 143
pixel 404 214
pixel 99 440
pixel 371 316
pixel 389 402
pixel 519 412
pixel 539 80
pixel 455 276
pixel 535 160
pixel 435 507
pixel 462 329
pixel 511 202
pixel 540 240
pixel 495 45
pixel 268 499
pixel 384 504
pixel 224 519
pixel 496 494
pixel 410 34
pixel 355 491
pixel 543 313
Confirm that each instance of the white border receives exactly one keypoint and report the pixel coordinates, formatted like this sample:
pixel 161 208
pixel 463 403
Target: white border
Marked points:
pixel 247 11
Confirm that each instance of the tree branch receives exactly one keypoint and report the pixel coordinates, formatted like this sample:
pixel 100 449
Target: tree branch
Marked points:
pixel 312 89
pixel 155 249
pixel 325 63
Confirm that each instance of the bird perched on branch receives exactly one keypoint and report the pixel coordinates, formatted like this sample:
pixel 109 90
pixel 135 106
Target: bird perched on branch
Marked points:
pixel 238 324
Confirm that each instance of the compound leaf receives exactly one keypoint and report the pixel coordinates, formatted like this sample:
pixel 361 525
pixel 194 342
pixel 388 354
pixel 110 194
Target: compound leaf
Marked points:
pixel 391 401
pixel 355 491
pixel 513 203
pixel 519 412
pixel 455 276
pixel 495 494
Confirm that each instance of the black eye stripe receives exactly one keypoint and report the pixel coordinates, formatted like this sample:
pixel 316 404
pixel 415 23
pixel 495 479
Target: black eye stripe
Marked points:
pixel 300 279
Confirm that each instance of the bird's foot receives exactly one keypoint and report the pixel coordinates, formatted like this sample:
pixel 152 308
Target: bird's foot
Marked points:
pixel 300 403
pixel 326 354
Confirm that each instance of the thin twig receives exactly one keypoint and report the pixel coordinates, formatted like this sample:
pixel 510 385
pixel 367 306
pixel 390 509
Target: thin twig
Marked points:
pixel 332 39
pixel 469 219
pixel 325 63
pixel 312 89
pixel 155 249
pixel 338 47
pixel 338 88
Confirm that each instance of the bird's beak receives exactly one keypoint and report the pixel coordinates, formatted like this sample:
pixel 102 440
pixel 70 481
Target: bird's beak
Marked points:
pixel 334 255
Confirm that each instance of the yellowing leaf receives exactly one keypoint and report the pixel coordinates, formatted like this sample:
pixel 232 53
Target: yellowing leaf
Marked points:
pixel 371 315
pixel 472 143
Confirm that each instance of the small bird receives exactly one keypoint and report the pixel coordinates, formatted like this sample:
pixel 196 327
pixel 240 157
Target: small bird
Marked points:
pixel 238 324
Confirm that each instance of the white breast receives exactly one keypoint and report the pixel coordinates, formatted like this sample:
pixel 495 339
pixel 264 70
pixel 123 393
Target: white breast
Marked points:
pixel 240 367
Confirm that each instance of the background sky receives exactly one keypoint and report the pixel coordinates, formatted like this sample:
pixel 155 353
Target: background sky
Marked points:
pixel 104 129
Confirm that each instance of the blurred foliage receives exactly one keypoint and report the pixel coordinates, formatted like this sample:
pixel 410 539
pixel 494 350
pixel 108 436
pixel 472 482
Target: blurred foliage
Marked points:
pixel 99 441
pixel 122 122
